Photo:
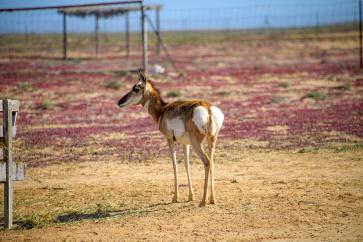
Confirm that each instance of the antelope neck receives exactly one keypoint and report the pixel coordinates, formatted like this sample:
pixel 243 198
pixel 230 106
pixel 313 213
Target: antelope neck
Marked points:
pixel 154 106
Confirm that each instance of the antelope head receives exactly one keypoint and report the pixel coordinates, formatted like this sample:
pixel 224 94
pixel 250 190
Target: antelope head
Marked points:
pixel 136 95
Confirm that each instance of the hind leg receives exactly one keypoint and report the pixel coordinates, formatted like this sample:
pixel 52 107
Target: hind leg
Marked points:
pixel 212 140
pixel 198 148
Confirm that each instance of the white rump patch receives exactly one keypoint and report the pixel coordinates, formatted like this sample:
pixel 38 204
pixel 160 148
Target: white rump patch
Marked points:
pixel 217 117
pixel 201 118
pixel 176 126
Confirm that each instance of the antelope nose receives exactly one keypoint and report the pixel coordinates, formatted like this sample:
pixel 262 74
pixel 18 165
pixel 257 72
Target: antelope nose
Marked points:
pixel 121 103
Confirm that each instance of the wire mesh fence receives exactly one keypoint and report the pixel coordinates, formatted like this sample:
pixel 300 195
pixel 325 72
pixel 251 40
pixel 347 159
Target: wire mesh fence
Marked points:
pixel 38 33
pixel 48 33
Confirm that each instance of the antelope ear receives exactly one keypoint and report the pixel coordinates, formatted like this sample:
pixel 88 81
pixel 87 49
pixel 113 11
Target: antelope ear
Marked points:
pixel 142 76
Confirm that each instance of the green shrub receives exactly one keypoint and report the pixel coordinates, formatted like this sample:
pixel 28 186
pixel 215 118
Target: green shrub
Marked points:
pixel 346 148
pixel 314 95
pixel 120 73
pixel 346 87
pixel 47 104
pixel 284 84
pixel 174 94
pixel 25 86
pixel 114 84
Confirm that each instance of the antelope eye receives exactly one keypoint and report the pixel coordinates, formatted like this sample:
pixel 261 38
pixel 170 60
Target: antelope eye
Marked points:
pixel 136 88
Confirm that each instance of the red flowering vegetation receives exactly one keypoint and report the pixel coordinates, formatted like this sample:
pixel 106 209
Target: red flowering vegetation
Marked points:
pixel 359 82
pixel 286 105
pixel 304 126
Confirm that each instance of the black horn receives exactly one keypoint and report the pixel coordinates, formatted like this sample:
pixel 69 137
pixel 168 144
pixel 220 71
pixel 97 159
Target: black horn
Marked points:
pixel 141 75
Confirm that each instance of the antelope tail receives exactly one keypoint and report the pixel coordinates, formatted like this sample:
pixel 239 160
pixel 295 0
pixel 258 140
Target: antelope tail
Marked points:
pixel 210 122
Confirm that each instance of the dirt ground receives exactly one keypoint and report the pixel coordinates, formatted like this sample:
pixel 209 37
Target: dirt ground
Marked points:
pixel 289 160
pixel 261 195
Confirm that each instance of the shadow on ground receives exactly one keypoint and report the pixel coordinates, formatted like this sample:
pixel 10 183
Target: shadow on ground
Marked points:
pixel 78 216
pixel 37 221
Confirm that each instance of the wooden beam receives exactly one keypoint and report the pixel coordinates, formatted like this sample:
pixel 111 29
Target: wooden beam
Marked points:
pixel 2 132
pixel 14 105
pixel 18 170
pixel 8 186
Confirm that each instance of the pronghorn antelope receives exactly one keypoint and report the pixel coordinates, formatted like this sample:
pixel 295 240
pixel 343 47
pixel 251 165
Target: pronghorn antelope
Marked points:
pixel 184 122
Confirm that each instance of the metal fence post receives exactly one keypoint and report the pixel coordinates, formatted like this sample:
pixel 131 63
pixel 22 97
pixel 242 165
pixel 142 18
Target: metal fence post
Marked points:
pixel 64 36
pixel 97 34
pixel 144 38
pixel 317 25
pixel 127 34
pixel 360 34
pixel 158 30
pixel 8 189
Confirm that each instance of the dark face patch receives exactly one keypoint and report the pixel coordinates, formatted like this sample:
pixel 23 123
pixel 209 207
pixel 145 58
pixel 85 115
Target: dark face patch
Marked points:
pixel 136 88
pixel 134 94
pixel 123 99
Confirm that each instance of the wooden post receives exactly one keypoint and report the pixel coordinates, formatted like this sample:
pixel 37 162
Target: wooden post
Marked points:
pixel 97 34
pixel 144 38
pixel 64 36
pixel 158 31
pixel 8 189
pixel 127 33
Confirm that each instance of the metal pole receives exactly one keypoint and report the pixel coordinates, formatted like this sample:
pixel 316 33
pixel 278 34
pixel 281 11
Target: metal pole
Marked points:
pixel 64 36
pixel 317 25
pixel 70 6
pixel 96 32
pixel 144 38
pixel 8 187
pixel 360 34
pixel 158 30
pixel 127 30
pixel 161 43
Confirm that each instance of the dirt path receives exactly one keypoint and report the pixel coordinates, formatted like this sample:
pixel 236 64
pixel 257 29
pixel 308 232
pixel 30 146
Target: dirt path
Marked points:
pixel 261 195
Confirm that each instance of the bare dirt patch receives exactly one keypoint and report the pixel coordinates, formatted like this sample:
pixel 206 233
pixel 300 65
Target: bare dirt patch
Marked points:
pixel 262 195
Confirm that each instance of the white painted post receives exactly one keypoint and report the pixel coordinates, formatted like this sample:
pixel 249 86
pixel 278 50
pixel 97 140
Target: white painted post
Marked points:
pixel 8 189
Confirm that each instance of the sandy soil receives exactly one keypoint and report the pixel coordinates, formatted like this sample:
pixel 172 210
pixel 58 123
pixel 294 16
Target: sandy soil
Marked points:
pixel 261 195
pixel 288 163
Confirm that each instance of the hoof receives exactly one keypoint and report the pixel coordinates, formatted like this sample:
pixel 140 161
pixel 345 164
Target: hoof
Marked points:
pixel 212 200
pixel 202 204
pixel 191 198
pixel 175 200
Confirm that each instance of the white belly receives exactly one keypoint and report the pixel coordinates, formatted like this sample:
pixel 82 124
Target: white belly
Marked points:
pixel 176 128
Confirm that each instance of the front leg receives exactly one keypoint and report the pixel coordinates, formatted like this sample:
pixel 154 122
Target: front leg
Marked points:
pixel 175 167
